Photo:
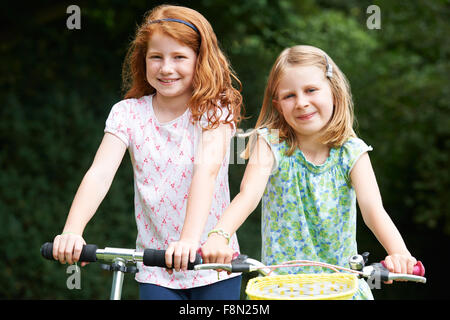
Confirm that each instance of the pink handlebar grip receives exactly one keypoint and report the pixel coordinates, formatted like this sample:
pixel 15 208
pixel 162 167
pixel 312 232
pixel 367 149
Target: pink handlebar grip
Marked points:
pixel 419 269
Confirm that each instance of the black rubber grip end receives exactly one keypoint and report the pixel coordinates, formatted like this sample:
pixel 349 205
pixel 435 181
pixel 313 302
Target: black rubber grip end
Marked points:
pixel 47 250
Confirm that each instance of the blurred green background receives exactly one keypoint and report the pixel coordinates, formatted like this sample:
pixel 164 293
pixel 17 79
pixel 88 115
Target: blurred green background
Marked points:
pixel 58 85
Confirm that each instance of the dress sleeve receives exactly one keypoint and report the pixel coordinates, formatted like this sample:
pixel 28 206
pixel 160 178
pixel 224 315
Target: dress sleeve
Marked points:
pixel 117 122
pixel 352 150
pixel 272 140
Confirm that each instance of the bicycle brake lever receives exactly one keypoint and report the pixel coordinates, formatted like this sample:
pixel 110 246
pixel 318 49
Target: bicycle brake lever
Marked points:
pixel 379 271
pixel 239 264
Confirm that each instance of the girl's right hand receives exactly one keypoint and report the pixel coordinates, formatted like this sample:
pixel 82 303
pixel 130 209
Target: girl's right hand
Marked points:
pixel 67 248
pixel 400 263
pixel 216 250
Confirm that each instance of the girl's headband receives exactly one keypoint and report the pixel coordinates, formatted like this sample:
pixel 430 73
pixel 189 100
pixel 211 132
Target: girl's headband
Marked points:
pixel 190 25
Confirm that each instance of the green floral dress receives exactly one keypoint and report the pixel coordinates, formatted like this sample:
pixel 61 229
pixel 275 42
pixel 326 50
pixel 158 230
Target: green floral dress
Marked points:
pixel 309 211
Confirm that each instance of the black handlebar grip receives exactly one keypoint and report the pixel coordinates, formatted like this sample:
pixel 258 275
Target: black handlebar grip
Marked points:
pixel 88 253
pixel 157 258
pixel 47 250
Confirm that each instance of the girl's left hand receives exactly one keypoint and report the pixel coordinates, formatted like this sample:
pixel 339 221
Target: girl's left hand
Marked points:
pixel 400 263
pixel 182 252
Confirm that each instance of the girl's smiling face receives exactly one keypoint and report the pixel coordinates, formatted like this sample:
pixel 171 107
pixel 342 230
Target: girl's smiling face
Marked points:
pixel 305 100
pixel 170 66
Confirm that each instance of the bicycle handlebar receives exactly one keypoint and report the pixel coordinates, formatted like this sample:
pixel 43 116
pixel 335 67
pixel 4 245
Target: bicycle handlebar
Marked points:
pixel 91 253
pixel 245 264
pixel 156 258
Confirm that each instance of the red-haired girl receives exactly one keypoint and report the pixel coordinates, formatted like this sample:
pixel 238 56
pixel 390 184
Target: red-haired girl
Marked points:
pixel 177 119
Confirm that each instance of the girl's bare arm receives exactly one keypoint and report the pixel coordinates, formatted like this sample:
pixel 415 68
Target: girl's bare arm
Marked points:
pixel 91 192
pixel 259 167
pixel 377 219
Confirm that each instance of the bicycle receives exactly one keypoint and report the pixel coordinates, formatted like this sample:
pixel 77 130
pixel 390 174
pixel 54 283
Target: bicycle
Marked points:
pixel 337 285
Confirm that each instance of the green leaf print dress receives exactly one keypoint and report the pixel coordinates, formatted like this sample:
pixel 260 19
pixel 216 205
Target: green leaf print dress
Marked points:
pixel 309 211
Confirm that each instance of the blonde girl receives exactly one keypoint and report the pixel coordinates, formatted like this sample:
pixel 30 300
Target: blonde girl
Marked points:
pixel 309 168
pixel 178 115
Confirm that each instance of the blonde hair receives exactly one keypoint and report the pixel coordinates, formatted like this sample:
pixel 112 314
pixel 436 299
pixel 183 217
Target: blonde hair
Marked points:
pixel 340 126
pixel 213 76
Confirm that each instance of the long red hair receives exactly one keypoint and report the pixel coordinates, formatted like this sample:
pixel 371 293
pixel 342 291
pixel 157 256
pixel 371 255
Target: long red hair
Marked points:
pixel 213 78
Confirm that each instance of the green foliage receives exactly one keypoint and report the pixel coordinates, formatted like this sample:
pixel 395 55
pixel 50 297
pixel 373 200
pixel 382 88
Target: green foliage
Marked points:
pixel 58 86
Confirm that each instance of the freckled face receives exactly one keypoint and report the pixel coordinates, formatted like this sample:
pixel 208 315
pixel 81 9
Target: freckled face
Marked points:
pixel 170 66
pixel 305 99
